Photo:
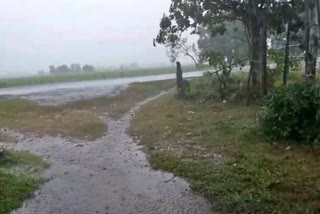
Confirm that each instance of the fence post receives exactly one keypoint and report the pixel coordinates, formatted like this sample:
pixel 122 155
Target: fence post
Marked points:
pixel 179 77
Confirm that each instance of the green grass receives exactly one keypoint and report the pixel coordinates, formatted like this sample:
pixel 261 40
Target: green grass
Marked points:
pixel 19 162
pixel 59 78
pixel 27 116
pixel 220 149
pixel 19 178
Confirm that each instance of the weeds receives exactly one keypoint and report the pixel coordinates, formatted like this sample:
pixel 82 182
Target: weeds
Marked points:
pixel 219 148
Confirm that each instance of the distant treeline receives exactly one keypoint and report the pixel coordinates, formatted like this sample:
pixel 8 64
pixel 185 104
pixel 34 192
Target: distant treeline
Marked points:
pixel 74 68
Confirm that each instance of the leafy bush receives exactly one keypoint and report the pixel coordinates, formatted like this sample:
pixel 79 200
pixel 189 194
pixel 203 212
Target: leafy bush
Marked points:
pixel 212 87
pixel 293 112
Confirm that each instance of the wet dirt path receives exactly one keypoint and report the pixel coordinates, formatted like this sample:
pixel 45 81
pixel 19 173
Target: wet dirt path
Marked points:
pixel 109 176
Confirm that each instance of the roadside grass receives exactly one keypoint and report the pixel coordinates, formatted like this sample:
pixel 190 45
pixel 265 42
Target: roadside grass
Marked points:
pixel 76 77
pixel 19 178
pixel 116 106
pixel 27 116
pixel 218 147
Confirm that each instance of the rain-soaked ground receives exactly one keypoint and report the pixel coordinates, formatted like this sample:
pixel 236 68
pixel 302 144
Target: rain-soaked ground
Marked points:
pixel 109 175
pixel 56 94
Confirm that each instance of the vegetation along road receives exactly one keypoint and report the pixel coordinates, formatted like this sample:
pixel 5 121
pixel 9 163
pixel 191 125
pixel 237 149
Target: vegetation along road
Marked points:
pixel 242 137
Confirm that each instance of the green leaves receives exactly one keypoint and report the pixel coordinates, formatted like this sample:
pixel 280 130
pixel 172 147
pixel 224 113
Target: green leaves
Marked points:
pixel 293 113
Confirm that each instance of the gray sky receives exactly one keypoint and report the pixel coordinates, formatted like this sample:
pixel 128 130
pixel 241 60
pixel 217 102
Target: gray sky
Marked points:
pixel 38 33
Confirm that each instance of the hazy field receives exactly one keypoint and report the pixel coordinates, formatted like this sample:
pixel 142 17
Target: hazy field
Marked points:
pixel 58 78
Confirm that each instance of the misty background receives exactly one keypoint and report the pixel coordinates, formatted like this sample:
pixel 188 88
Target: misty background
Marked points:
pixel 38 33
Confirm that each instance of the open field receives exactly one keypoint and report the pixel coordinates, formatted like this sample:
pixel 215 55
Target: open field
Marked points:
pixel 59 78
pixel 218 147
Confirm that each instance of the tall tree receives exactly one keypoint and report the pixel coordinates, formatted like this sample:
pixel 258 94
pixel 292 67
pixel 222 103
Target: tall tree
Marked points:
pixel 312 31
pixel 232 43
pixel 285 34
pixel 190 14
pixel 75 67
pixel 88 68
pixel 52 69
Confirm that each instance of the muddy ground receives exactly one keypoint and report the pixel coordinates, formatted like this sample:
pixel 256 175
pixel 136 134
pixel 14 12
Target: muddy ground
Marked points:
pixel 109 175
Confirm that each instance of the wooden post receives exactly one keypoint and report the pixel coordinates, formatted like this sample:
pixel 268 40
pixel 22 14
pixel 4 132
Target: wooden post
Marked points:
pixel 179 77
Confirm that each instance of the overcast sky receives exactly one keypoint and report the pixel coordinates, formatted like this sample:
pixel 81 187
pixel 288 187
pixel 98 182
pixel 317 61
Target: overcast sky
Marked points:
pixel 38 33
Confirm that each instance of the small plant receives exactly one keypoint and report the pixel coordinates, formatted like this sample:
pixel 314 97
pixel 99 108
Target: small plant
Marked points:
pixel 210 87
pixel 220 84
pixel 293 112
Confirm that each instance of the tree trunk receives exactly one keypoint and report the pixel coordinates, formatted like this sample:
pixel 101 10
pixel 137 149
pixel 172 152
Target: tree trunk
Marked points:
pixel 314 22
pixel 263 52
pixel 287 53
pixel 255 45
pixel 255 60
pixel 307 37
pixel 248 33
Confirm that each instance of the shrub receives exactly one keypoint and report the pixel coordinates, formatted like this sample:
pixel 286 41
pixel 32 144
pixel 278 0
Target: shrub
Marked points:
pixel 211 87
pixel 292 112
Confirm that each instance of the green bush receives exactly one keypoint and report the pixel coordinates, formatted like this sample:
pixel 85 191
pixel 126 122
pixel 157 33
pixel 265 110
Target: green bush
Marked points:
pixel 293 112
pixel 210 87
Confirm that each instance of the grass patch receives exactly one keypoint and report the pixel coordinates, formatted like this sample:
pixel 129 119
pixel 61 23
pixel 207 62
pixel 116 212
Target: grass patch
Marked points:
pixel 19 178
pixel 28 116
pixel 116 106
pixel 59 78
pixel 18 162
pixel 219 148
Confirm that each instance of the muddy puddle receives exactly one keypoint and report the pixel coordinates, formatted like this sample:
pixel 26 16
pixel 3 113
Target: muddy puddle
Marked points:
pixel 110 175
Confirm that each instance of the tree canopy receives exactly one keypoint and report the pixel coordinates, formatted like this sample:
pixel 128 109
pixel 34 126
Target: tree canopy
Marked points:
pixel 260 21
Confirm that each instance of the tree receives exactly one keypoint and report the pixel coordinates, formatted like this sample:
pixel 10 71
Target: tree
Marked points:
pixel 261 19
pixel 75 67
pixel 62 69
pixel 190 14
pixel 312 31
pixel 179 47
pixel 52 69
pixel 88 68
pixel 285 35
pixel 287 49
pixel 233 42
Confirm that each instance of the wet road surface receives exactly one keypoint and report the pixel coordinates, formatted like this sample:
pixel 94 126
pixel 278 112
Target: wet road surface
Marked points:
pixel 60 93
